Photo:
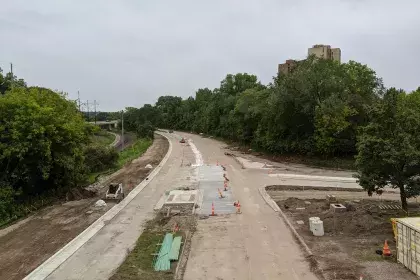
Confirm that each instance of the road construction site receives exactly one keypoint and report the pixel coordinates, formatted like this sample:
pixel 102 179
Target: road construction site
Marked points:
pixel 352 235
pixel 28 243
pixel 225 241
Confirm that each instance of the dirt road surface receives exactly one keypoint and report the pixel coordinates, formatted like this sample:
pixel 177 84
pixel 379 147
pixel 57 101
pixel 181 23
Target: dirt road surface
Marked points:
pixel 41 235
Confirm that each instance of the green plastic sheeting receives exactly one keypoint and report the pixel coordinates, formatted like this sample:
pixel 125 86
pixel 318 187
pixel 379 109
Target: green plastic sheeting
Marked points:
pixel 176 245
pixel 162 262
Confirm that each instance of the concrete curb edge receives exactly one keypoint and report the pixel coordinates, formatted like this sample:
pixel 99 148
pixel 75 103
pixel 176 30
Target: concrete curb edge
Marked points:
pixel 53 262
pixel 238 161
pixel 276 208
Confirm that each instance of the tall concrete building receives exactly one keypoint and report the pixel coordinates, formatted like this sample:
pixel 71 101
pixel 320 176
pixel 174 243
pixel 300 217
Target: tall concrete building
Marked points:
pixel 320 51
pixel 326 52
pixel 287 67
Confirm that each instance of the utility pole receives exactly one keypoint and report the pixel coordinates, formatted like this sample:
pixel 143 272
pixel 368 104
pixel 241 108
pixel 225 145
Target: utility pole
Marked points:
pixel 94 106
pixel 11 68
pixel 87 107
pixel 78 99
pixel 122 129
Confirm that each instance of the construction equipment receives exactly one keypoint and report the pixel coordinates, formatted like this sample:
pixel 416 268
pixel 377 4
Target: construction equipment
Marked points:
pixel 182 140
pixel 115 192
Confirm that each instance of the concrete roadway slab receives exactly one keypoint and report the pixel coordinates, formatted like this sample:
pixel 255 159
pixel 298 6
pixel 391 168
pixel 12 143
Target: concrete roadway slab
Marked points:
pixel 253 245
pixel 210 180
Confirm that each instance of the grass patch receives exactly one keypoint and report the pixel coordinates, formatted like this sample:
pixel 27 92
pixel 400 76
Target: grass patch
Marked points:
pixel 125 156
pixel 139 263
pixel 133 152
pixel 103 138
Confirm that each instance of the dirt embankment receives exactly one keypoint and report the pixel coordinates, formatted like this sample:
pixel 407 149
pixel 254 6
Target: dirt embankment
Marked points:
pixel 347 250
pixel 41 235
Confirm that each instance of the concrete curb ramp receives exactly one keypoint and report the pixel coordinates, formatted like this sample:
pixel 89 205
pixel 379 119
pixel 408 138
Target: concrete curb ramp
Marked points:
pixel 51 264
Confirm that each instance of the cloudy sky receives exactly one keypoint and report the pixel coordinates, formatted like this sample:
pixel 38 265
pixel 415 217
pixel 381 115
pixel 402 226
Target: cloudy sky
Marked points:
pixel 129 52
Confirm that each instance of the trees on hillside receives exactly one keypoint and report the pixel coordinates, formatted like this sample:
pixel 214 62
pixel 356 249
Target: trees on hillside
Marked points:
pixel 316 109
pixel 389 146
pixel 41 145
pixel 9 81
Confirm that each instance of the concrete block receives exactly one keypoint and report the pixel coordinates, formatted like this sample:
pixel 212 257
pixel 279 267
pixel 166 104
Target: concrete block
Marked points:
pixel 337 207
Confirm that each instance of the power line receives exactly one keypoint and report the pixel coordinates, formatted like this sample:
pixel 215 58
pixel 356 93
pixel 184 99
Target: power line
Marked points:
pixel 94 105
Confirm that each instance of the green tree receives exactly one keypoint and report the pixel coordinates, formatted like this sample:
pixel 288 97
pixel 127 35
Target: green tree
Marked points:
pixel 389 146
pixel 9 81
pixel 42 141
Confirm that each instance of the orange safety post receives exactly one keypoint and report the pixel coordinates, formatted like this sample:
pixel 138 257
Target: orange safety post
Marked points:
pixel 238 208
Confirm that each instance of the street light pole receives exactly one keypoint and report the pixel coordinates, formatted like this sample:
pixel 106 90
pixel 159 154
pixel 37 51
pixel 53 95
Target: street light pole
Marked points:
pixel 122 129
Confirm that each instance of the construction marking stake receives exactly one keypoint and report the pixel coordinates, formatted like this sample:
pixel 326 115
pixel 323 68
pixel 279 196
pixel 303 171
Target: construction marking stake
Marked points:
pixel 220 194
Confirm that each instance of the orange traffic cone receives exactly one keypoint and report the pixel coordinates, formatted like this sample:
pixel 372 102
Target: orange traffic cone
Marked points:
pixel 212 209
pixel 386 251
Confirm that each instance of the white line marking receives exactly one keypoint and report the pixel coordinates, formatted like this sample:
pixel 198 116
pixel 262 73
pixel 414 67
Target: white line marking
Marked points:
pixel 197 154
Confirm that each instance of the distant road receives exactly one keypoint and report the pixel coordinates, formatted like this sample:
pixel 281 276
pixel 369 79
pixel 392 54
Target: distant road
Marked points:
pixel 117 139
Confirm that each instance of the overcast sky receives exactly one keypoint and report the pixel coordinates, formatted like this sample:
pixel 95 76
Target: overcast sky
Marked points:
pixel 129 52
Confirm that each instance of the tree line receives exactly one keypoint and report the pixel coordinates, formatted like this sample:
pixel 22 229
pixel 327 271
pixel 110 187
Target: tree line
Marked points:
pixel 45 147
pixel 322 108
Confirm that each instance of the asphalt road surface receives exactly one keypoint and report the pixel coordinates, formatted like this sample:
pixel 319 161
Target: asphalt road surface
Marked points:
pixel 253 245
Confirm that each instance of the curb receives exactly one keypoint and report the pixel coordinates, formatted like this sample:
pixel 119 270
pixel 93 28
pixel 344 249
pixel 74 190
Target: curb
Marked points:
pixel 268 199
pixel 276 208
pixel 53 262
pixel 238 161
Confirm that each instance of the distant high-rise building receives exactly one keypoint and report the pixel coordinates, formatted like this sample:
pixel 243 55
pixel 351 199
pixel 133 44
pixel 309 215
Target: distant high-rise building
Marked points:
pixel 320 51
pixel 325 52
pixel 287 67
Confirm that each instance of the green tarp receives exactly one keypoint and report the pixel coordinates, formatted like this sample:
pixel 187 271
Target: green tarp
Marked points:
pixel 162 262
pixel 176 245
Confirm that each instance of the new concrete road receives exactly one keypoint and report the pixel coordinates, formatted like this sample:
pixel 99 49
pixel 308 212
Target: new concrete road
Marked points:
pixel 253 245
